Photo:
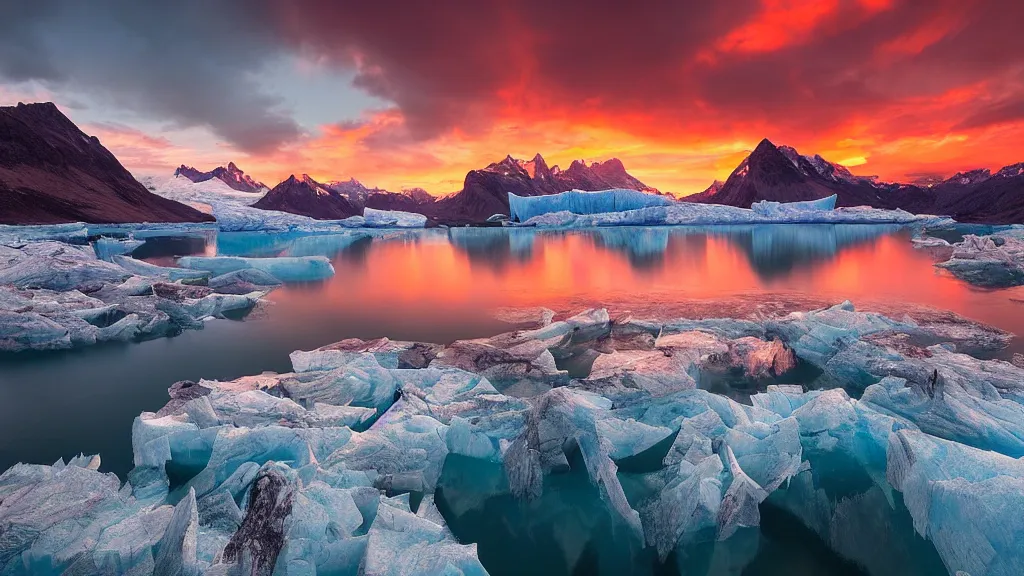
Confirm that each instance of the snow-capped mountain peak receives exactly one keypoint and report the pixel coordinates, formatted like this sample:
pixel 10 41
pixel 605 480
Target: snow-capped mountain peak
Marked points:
pixel 231 175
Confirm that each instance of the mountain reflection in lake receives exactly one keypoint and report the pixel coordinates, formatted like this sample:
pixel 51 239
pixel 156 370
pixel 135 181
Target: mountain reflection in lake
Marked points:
pixel 438 285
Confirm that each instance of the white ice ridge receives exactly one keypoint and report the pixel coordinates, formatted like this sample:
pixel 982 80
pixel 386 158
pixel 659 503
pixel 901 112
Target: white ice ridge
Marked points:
pixel 559 211
pixel 310 472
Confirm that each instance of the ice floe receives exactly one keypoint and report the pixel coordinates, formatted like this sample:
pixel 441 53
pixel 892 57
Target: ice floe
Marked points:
pixel 315 471
pixel 55 295
pixel 995 261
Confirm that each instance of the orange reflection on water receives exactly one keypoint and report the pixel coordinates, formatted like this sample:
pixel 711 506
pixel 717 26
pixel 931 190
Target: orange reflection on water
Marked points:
pixel 463 272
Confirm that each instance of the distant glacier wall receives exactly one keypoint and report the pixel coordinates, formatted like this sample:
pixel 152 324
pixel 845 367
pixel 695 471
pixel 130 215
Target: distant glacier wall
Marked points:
pixel 579 202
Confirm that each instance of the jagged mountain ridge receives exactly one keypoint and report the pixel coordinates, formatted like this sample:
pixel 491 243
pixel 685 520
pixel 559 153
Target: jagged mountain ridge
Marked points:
pixel 230 175
pixel 361 196
pixel 781 174
pixel 485 191
pixel 307 197
pixel 52 172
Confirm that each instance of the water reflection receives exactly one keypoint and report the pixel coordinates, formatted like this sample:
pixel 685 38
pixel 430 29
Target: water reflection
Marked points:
pixel 438 285
pixel 644 247
pixel 777 249
pixel 494 248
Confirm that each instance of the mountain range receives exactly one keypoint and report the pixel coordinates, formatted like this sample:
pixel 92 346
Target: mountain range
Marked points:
pixel 485 191
pixel 52 172
pixel 781 174
pixel 308 197
pixel 230 175
pixel 412 200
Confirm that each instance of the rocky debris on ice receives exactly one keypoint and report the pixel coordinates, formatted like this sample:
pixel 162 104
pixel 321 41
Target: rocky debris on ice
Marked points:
pixel 388 353
pixel 311 470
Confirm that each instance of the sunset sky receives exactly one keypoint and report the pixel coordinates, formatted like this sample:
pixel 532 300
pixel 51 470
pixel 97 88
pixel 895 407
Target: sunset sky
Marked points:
pixel 403 94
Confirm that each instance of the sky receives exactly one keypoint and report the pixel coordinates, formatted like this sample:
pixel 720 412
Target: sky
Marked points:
pixel 415 94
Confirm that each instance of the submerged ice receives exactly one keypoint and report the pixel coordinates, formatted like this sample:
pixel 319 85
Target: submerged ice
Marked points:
pixel 334 468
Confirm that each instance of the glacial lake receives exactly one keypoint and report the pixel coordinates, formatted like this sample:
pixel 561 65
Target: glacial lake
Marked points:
pixel 440 285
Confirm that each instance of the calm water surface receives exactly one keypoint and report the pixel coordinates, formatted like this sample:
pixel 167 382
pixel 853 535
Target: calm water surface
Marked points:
pixel 438 285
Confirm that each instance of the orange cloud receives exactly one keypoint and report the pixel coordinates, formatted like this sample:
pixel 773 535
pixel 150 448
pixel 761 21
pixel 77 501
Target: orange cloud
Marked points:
pixel 778 24
pixel 679 92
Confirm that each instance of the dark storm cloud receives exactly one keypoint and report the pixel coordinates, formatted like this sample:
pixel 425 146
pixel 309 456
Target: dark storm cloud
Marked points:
pixel 452 63
pixel 191 62
pixel 799 65
pixel 446 63
pixel 1009 111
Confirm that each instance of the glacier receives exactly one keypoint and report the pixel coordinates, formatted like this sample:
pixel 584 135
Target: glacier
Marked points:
pixel 789 209
pixel 561 211
pixel 522 208
pixel 901 456
pixel 234 212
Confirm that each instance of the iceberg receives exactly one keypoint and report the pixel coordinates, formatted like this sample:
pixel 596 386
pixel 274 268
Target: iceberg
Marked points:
pixel 784 209
pixel 109 247
pixel 336 467
pixel 995 261
pixel 57 296
pixel 392 219
pixel 959 498
pixel 243 281
pixel 697 214
pixel 522 208
pixel 284 269
pixel 56 266
pixel 71 233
